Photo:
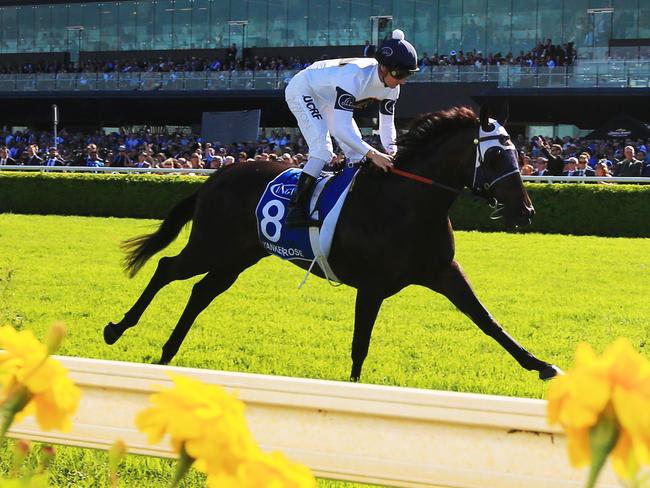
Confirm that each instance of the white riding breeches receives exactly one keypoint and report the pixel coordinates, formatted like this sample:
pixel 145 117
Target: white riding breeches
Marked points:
pixel 314 119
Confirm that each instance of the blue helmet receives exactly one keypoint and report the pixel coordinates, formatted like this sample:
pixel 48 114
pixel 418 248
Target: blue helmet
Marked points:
pixel 398 55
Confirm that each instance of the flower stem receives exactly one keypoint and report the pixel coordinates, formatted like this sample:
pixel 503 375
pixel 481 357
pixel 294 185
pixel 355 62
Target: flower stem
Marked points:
pixel 183 466
pixel 11 408
pixel 602 439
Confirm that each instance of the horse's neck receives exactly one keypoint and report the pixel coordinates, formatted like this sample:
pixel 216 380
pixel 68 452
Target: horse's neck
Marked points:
pixel 443 163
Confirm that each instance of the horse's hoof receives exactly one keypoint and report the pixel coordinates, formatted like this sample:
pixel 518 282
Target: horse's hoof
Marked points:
pixel 550 372
pixel 354 379
pixel 163 362
pixel 110 334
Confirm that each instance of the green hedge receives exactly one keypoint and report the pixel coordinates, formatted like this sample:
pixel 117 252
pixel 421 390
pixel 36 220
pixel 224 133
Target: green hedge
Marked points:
pixel 134 195
pixel 608 210
pixel 563 208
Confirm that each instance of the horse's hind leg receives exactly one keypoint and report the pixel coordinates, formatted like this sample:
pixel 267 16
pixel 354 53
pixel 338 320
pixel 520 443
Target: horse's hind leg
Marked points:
pixel 214 283
pixel 180 267
pixel 453 284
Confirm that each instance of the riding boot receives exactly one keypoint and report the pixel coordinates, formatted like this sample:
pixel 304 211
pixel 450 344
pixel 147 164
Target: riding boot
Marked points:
pixel 298 215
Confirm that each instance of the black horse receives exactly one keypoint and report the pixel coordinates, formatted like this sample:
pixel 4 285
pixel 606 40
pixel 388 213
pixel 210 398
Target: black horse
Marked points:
pixel 393 231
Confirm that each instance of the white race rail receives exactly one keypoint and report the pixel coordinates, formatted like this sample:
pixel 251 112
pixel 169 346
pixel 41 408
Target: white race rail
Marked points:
pixel 112 170
pixel 356 432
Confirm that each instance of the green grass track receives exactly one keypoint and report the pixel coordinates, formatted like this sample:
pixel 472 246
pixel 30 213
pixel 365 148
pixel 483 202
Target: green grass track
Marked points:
pixel 549 291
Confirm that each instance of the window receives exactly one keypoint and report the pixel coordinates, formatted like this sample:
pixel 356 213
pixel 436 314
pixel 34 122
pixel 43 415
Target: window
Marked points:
pixel 296 23
pixel 524 26
pixel 219 16
pixel 625 19
pixel 43 17
pixel 359 21
pixel 317 24
pixel 126 25
pixel 425 29
pixel 449 29
pixel 143 16
pixel 91 27
pixel 549 21
pixel 182 30
pixel 9 29
pixel 256 31
pixel 108 18
pixel 201 25
pixel 499 27
pixel 473 29
pixel 26 29
pixel 59 23
pixel 340 27
pixel 163 24
pixel 277 31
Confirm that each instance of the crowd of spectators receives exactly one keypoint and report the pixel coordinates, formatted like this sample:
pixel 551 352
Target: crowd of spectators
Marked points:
pixel 538 156
pixel 160 65
pixel 544 54
pixel 582 157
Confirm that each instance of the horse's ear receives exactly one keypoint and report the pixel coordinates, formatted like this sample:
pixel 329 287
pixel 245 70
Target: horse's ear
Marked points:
pixel 502 115
pixel 484 116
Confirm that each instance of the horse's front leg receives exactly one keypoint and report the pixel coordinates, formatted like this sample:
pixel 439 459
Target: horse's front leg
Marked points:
pixel 365 313
pixel 453 284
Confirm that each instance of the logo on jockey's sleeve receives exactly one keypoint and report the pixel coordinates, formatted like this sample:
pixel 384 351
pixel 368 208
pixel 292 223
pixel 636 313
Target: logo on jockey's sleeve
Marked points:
pixel 387 107
pixel 344 100
pixel 311 106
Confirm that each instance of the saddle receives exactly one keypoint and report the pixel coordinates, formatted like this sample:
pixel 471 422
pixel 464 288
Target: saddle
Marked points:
pixel 310 244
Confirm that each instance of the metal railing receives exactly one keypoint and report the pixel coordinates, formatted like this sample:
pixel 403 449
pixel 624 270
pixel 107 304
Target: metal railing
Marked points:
pixel 116 169
pixel 617 74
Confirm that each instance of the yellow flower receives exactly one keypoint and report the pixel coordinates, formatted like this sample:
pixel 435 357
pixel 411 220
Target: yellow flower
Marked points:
pixel 204 419
pixel 616 383
pixel 265 471
pixel 26 369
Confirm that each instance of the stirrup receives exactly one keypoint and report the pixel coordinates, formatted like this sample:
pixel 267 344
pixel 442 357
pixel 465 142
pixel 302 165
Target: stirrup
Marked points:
pixel 297 217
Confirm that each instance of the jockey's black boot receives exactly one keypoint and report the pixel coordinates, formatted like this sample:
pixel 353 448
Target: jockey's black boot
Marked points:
pixel 298 215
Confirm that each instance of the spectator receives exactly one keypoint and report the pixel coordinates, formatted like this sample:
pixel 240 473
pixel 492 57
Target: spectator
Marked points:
pixel 368 50
pixel 196 162
pixel 583 168
pixel 540 164
pixel 629 166
pixel 53 158
pixel 570 167
pixel 122 159
pixel 228 161
pixel 602 169
pixel 553 154
pixel 216 162
pixel 5 159
pixel 93 158
pixel 33 159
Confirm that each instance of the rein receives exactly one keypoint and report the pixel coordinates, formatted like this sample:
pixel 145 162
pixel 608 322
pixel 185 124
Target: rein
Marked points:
pixel 428 181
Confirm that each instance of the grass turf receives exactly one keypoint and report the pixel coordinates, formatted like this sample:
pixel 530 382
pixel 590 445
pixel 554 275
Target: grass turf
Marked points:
pixel 550 292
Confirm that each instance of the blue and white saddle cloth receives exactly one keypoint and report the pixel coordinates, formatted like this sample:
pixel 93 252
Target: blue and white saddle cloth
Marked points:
pixel 303 243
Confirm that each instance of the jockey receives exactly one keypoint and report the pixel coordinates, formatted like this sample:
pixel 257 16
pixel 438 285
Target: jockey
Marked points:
pixel 323 97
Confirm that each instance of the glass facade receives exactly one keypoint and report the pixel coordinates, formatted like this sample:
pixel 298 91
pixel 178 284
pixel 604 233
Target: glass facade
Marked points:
pixel 435 26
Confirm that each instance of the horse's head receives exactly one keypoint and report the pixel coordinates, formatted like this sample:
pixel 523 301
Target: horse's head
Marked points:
pixel 496 173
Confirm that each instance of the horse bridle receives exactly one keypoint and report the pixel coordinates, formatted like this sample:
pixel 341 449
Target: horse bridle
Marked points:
pixel 497 137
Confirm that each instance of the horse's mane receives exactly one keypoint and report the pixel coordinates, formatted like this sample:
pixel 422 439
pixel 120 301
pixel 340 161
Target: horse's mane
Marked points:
pixel 430 126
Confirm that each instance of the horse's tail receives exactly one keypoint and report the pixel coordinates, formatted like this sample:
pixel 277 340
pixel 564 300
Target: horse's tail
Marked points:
pixel 140 248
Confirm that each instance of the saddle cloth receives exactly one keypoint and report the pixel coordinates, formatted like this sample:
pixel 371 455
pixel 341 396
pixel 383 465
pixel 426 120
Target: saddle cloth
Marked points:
pixel 303 243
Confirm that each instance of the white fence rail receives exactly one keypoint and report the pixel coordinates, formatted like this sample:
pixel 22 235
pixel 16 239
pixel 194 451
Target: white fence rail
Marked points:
pixel 356 432
pixel 104 169
pixel 109 169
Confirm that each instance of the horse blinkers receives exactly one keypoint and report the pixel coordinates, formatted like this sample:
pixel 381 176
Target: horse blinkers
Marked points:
pixel 496 161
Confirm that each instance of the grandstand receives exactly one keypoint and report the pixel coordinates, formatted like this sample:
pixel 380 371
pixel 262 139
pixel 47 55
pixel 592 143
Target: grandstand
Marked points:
pixel 600 62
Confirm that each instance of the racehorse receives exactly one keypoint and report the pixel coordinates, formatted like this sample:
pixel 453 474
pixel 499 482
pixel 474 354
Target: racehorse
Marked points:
pixel 393 231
